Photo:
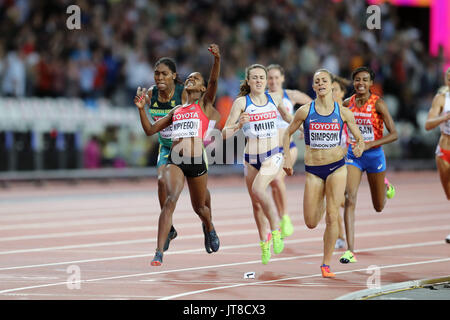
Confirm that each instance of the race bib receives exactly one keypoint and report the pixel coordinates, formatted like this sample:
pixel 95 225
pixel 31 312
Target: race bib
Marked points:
pixel 187 128
pixel 365 127
pixel 324 135
pixel 263 125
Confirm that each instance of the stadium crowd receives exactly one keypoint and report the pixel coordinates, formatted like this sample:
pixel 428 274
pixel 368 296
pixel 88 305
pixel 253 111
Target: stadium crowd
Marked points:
pixel 119 40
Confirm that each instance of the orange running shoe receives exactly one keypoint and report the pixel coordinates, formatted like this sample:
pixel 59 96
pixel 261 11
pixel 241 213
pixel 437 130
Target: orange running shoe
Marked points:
pixel 326 273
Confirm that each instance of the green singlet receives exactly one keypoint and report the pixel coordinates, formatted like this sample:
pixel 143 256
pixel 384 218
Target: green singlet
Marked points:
pixel 158 110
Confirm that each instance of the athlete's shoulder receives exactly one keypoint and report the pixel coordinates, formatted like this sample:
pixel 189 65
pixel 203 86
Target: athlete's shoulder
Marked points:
pixel 240 100
pixel 174 109
pixel 304 109
pixel 438 97
pixel 347 101
pixel 276 97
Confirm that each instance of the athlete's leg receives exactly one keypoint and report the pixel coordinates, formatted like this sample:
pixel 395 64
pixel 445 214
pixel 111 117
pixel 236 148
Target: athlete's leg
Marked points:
pixel 334 189
pixel 262 222
pixel 268 171
pixel 340 243
pixel 353 180
pixel 313 200
pixel 162 185
pixel 174 179
pixel 260 219
pixel 444 174
pixel 198 193
pixel 377 189
pixel 279 188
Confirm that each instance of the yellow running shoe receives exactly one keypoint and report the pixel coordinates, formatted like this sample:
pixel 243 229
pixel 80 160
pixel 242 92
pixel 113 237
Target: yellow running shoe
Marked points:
pixel 265 249
pixel 390 192
pixel 278 244
pixel 348 257
pixel 286 226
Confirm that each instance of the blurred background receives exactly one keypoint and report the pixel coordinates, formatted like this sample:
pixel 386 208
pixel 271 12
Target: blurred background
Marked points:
pixel 66 96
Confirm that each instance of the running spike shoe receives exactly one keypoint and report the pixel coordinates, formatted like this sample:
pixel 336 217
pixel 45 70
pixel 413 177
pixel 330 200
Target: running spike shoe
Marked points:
pixel 157 260
pixel 172 235
pixel 390 192
pixel 286 226
pixel 348 257
pixel 326 273
pixel 278 244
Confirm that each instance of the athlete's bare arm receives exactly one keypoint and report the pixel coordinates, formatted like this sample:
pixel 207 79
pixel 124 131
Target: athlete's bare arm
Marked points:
pixel 299 117
pixel 278 99
pixel 237 113
pixel 210 93
pixel 349 118
pixel 298 97
pixel 346 102
pixel 434 119
pixel 149 128
pixel 392 135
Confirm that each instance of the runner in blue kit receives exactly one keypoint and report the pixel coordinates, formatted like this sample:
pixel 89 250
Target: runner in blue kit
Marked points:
pixel 326 173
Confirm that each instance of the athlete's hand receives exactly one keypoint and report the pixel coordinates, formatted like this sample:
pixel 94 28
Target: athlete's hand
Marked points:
pixel 287 166
pixel 358 148
pixel 243 119
pixel 214 49
pixel 141 97
pixel 447 116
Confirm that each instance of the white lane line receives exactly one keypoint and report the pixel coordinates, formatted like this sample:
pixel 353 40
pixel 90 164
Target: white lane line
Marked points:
pixel 88 296
pixel 117 230
pixel 184 294
pixel 122 210
pixel 218 224
pixel 222 248
pixel 411 245
pixel 146 211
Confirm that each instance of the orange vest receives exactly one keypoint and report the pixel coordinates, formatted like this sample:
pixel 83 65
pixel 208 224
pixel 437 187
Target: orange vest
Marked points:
pixel 369 121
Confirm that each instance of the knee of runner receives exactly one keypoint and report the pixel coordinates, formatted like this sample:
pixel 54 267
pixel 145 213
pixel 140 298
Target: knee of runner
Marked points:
pixel 200 210
pixel 378 207
pixel 350 199
pixel 310 225
pixel 171 199
pixel 331 217
pixel 161 184
pixel 275 183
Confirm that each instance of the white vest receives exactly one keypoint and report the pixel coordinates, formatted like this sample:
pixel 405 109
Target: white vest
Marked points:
pixel 445 126
pixel 290 109
pixel 263 119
